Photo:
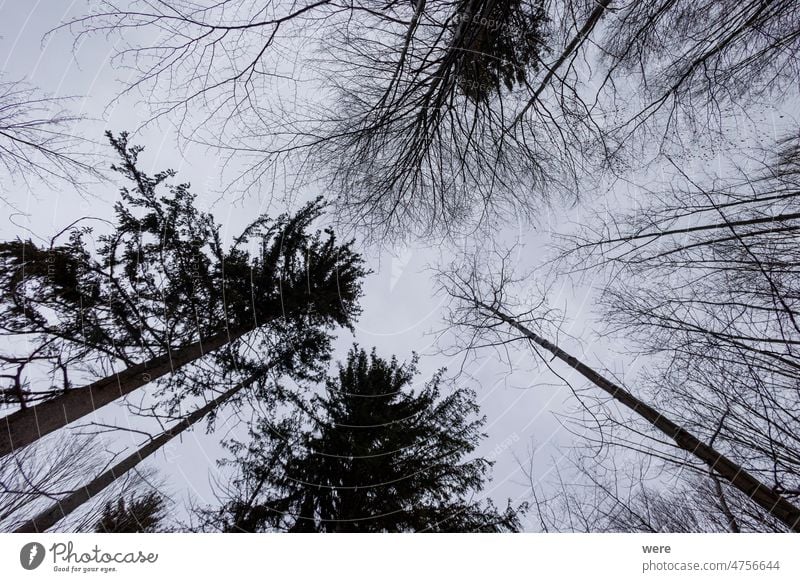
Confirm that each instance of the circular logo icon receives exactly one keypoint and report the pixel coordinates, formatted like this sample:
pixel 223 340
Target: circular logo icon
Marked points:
pixel 31 555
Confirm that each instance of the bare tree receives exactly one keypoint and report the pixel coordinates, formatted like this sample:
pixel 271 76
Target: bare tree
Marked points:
pixel 433 138
pixel 618 493
pixel 88 491
pixel 39 139
pixel 704 280
pixel 481 312
pixel 428 116
pixel 693 62
pixel 699 506
pixel 28 475
pixel 35 476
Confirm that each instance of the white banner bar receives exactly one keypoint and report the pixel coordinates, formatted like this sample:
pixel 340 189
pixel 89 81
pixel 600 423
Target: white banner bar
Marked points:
pixel 406 558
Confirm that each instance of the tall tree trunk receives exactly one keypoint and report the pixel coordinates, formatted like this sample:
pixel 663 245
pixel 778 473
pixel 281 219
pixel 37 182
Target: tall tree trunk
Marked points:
pixel 773 503
pixel 62 508
pixel 30 424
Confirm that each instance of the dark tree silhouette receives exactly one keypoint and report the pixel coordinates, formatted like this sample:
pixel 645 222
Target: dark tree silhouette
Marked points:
pixel 160 292
pixel 144 514
pixel 374 456
pixel 87 491
pixel 300 357
pixel 500 42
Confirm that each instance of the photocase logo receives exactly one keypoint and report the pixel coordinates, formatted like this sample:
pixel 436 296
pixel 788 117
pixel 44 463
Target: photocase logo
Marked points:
pixel 31 555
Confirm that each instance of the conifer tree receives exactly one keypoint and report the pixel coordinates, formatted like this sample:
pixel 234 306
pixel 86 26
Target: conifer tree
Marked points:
pixel 370 455
pixel 144 514
pixel 159 292
pixel 500 42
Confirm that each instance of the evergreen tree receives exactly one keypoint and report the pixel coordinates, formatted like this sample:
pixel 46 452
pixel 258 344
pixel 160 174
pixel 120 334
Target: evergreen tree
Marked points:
pixel 371 456
pixel 501 43
pixel 160 292
pixel 144 514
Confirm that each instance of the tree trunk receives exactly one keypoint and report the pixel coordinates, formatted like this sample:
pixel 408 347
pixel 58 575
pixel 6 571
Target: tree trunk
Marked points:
pixel 30 424
pixel 773 503
pixel 59 510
